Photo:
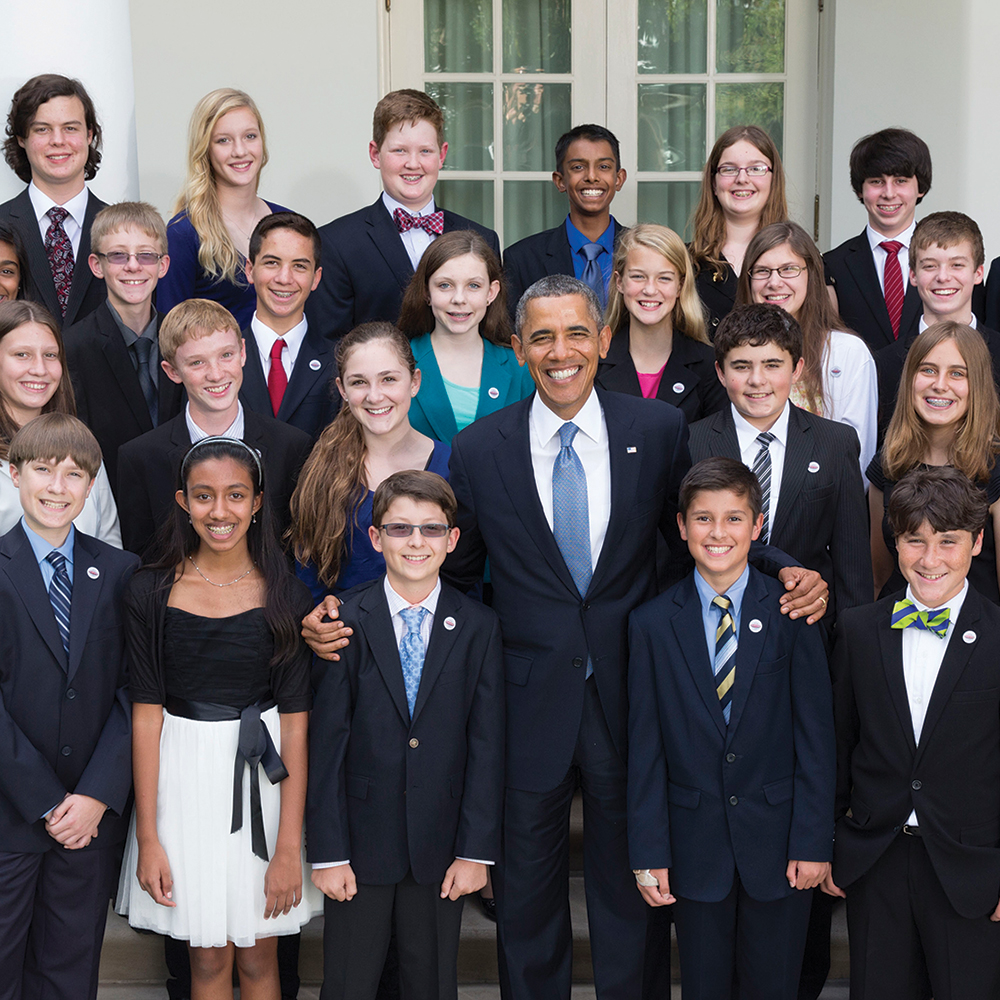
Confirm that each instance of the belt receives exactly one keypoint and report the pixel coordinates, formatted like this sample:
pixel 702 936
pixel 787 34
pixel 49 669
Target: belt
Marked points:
pixel 254 747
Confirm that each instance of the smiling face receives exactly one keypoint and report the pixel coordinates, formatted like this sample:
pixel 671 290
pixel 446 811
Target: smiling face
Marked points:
pixel 758 381
pixel 936 563
pixel 377 385
pixel 52 494
pixel 412 564
pixel 409 161
pixel 220 501
pixel 589 177
pixel 941 386
pixel 211 370
pixel 561 345
pixel 236 149
pixel 742 198
pixel 787 292
pixel 945 278
pixel 459 292
pixel 283 274
pixel 57 145
pixel 10 272
pixel 718 528
pixel 133 283
pixel 649 286
pixel 30 370
pixel 890 202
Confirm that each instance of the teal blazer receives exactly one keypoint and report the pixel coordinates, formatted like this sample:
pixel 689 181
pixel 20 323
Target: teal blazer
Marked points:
pixel 501 383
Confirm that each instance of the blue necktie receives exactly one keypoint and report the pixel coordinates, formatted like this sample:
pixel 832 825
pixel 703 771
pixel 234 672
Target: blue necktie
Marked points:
pixel 592 273
pixel 725 655
pixel 60 595
pixel 411 652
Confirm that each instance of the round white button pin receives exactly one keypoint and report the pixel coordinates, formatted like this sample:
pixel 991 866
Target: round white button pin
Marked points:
pixel 449 623
pixel 493 392
pixel 813 467
pixel 678 387
pixel 969 636
pixel 93 572
pixel 755 625
pixel 315 365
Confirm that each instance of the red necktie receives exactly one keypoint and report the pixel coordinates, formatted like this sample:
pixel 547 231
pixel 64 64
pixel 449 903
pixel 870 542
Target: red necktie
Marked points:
pixel 277 380
pixel 433 223
pixel 893 283
pixel 59 250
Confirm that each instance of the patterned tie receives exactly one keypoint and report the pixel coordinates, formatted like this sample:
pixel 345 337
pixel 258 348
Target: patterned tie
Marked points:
pixel 725 655
pixel 59 250
pixel 411 652
pixel 432 224
pixel 277 380
pixel 60 595
pixel 893 283
pixel 143 349
pixel 762 470
pixel 592 273
pixel 906 615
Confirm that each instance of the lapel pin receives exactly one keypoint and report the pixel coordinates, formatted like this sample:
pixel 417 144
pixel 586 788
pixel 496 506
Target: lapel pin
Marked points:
pixel 813 467
pixel 969 636
pixel 755 625
pixel 93 572
pixel 836 372
pixel 449 623
pixel 630 450
pixel 315 364
pixel 493 392
pixel 678 387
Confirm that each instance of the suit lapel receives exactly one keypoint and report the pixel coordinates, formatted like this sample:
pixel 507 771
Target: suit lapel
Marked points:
pixel 689 631
pixel 383 233
pixel 861 264
pixel 82 275
pixel 617 371
pixel 798 448
pixel 309 369
pixel 560 251
pixel 891 644
pixel 38 261
pixel 494 379
pixel 749 647
pixel 442 645
pixel 433 401
pixel 117 357
pixel 254 388
pixel 86 590
pixel 724 442
pixel 376 624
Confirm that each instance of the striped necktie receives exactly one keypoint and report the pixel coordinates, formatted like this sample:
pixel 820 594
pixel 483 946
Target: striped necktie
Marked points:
pixel 412 652
pixel 60 595
pixel 762 470
pixel 892 282
pixel 725 654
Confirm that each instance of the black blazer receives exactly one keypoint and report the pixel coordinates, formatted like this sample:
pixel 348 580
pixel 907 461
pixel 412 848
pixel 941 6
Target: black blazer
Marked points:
pixel 991 303
pixel 689 379
pixel 86 292
pixel 109 398
pixel 65 723
pixel 821 518
pixel 148 467
pixel 537 256
pixel 311 399
pixel 366 269
pixel 718 297
pixel 952 778
pixel 859 295
pixel 392 794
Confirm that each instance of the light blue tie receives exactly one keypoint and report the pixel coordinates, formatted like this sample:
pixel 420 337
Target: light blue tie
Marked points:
pixel 592 273
pixel 411 652
pixel 60 595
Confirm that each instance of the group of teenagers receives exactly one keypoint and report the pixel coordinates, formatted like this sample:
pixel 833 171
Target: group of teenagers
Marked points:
pixel 336 562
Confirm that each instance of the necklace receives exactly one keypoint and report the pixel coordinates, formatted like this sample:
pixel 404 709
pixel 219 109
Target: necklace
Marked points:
pixel 231 582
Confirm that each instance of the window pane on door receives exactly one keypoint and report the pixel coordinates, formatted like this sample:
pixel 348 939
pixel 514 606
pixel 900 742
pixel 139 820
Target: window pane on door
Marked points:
pixel 473 199
pixel 529 207
pixel 760 104
pixel 458 36
pixel 536 36
pixel 668 203
pixel 671 126
pixel 673 36
pixel 468 123
pixel 535 114
pixel 750 36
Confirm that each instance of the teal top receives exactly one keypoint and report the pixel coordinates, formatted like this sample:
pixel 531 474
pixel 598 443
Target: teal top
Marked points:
pixel 433 411
pixel 464 402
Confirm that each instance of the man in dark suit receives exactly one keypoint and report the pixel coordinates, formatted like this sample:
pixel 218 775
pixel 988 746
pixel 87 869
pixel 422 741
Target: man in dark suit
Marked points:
pixel 290 367
pixel 54 145
pixel 113 354
pixel 917 708
pixel 370 255
pixel 202 350
pixel 65 720
pixel 589 172
pixel 890 174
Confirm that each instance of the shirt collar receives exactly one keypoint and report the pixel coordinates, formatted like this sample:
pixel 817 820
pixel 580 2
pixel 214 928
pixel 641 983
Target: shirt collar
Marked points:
pixel 954 605
pixel 546 423
pixel 391 204
pixel 266 337
pixel 41 203
pixel 875 238
pixel 42 548
pixel 706 593
pixel 923 324
pixel 746 430
pixel 577 241
pixel 128 334
pixel 234 430
pixel 398 603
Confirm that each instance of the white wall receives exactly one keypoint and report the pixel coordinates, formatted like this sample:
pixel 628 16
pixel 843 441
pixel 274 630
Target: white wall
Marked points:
pixel 312 67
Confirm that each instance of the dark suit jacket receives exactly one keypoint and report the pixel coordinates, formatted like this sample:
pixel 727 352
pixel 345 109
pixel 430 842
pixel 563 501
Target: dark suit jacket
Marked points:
pixel 394 794
pixel 689 380
pixel 311 399
pixel 991 304
pixel 952 778
pixel 706 800
pixel 86 292
pixel 718 297
pixel 148 467
pixel 537 256
pixel 65 723
pixel 109 399
pixel 860 298
pixel 821 518
pixel 366 269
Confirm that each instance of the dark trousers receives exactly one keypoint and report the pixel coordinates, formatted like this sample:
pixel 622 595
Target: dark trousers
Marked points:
pixel 53 907
pixel 356 939
pixel 178 962
pixel 816 958
pixel 906 940
pixel 532 882
pixel 740 947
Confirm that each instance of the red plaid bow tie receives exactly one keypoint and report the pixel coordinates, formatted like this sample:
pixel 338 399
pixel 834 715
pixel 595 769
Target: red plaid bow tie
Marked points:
pixel 433 223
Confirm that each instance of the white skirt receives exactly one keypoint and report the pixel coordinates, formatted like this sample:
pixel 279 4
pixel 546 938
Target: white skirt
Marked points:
pixel 218 880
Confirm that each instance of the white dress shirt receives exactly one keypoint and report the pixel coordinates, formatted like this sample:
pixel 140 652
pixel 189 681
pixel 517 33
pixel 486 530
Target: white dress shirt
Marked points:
pixel 265 338
pixel 591 445
pixel 902 255
pixel 72 224
pixel 746 435
pixel 923 324
pixel 923 653
pixel 416 240
pixel 234 430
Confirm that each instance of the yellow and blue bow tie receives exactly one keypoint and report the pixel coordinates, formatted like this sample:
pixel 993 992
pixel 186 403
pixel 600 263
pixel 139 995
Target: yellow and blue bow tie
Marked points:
pixel 906 615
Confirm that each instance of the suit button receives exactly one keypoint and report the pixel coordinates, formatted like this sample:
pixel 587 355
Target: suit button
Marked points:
pixel 586 607
pixel 896 829
pixel 730 757
pixel 71 693
pixel 66 751
pixel 414 743
pixel 733 800
pixel 577 661
pixel 916 785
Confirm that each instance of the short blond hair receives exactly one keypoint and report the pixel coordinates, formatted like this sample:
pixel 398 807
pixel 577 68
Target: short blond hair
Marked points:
pixel 124 214
pixel 191 320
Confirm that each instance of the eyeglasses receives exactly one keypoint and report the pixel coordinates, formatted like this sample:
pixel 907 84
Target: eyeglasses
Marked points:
pixel 785 271
pixel 145 259
pixel 754 170
pixel 400 530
